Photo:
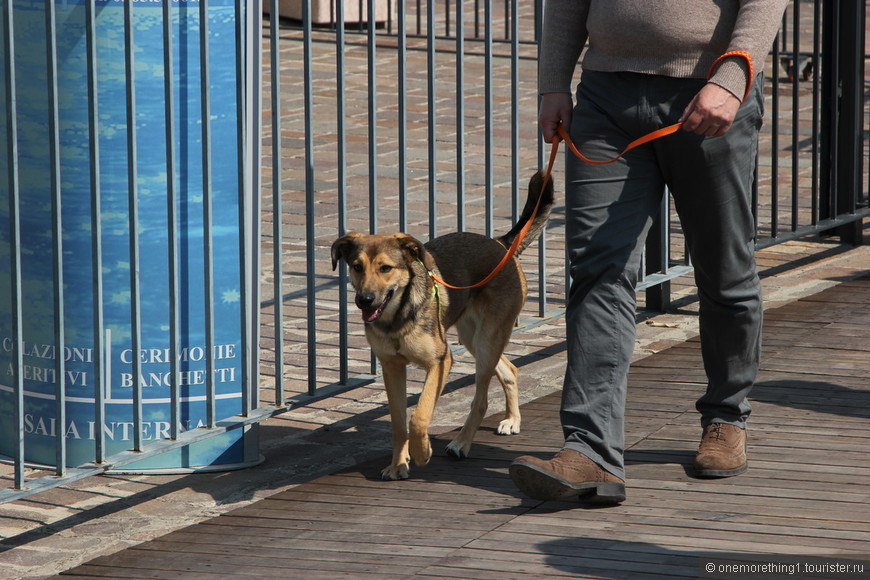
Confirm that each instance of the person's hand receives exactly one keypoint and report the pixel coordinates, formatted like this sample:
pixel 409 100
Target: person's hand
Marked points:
pixel 555 110
pixel 711 112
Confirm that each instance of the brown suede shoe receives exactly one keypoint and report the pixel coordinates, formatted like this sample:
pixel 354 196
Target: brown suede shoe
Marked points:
pixel 569 473
pixel 722 452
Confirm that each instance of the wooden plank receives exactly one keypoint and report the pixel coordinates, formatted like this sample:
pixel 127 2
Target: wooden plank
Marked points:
pixel 681 437
pixel 691 523
pixel 638 537
pixel 580 520
pixel 412 498
pixel 132 563
pixel 344 541
pixel 95 571
pixel 797 456
pixel 374 533
pixel 354 514
pixel 267 526
pixel 759 486
pixel 352 550
pixel 353 484
pixel 546 564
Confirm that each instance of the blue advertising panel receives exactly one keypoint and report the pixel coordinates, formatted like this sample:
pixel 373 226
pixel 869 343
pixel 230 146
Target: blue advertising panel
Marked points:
pixel 39 349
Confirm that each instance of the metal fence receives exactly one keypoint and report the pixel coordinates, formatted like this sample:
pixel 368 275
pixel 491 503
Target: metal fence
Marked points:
pixel 127 183
pixel 417 117
pixel 426 123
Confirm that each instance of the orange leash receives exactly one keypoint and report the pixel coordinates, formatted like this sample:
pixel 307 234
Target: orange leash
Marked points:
pixel 562 134
pixel 664 131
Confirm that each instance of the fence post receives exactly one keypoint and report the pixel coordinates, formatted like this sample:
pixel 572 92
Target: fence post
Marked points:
pixel 657 258
pixel 843 113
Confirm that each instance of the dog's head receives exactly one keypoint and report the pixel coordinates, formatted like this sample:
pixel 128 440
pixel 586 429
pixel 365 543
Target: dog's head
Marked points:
pixel 381 267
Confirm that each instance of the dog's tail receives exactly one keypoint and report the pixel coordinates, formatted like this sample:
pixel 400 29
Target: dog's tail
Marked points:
pixel 536 188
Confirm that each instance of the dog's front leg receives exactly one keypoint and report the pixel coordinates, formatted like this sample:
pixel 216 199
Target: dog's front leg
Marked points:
pixel 436 377
pixel 395 381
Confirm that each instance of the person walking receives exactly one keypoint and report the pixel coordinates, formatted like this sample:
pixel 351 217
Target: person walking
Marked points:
pixel 649 65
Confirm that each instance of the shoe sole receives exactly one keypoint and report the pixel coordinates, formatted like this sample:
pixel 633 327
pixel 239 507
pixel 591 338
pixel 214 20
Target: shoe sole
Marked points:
pixel 545 486
pixel 719 473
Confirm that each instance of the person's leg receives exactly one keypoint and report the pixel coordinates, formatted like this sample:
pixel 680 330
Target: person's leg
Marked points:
pixel 711 181
pixel 609 209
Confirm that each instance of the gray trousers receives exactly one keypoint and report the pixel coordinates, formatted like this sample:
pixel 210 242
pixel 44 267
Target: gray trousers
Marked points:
pixel 609 210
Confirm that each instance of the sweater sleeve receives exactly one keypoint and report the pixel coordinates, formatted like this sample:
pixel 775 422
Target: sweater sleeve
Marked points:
pixel 564 35
pixel 757 24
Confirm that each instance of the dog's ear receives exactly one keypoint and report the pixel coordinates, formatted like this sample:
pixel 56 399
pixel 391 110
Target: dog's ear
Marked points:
pixel 411 247
pixel 343 247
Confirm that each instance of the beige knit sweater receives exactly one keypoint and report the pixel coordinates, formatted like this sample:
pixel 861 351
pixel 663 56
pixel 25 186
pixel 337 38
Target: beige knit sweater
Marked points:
pixel 677 38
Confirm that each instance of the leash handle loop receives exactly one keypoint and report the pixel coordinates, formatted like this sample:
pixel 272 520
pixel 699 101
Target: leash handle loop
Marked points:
pixel 745 56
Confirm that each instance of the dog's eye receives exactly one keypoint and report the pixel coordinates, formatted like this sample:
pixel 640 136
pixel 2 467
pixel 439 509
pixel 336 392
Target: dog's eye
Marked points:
pixel 357 267
pixel 386 269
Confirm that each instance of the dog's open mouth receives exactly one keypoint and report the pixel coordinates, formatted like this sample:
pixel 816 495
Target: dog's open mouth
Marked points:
pixel 372 314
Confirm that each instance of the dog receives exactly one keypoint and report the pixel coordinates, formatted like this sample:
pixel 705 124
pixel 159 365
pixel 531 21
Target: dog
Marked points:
pixel 407 313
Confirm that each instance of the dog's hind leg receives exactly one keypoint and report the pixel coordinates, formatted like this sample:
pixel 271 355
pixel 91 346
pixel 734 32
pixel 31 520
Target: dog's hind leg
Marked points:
pixel 461 444
pixel 486 350
pixel 395 377
pixel 508 377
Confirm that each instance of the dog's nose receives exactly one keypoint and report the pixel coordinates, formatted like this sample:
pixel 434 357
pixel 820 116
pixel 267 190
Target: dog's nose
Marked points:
pixel 365 300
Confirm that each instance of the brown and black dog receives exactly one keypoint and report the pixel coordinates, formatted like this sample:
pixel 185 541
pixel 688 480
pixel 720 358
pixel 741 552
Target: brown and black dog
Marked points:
pixel 407 314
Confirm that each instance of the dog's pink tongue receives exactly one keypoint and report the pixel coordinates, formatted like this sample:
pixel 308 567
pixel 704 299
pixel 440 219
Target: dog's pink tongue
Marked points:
pixel 370 314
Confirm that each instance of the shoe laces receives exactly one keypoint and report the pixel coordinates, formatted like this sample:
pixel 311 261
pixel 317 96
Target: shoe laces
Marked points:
pixel 715 432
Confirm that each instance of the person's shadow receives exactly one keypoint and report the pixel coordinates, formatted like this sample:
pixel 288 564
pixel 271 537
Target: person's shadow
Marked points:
pixel 584 556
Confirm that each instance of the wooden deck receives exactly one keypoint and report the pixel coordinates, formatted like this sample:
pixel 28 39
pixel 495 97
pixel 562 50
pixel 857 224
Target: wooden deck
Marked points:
pixel 805 499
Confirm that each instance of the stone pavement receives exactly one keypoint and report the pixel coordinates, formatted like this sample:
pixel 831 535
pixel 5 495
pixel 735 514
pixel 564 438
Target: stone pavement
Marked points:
pixel 56 530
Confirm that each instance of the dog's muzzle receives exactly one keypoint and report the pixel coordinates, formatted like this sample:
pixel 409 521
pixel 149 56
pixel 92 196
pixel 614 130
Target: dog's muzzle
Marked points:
pixel 371 310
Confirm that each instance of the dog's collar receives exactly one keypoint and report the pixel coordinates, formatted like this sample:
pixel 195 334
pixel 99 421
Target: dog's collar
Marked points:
pixel 436 296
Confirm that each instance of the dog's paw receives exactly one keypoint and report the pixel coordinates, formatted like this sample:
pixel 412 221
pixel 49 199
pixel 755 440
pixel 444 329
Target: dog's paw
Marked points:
pixel 509 427
pixel 421 450
pixel 395 472
pixel 457 450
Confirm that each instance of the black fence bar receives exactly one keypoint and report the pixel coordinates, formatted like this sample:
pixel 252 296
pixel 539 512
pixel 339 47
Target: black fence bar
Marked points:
pixel 795 79
pixel 277 196
pixel 310 258
pixel 846 91
pixel 432 119
pixel 171 217
pixel 133 222
pixel 207 228
pixel 56 233
pixel 657 258
pixel 96 216
pixel 341 165
pixel 17 375
pixel 460 116
pixel 245 130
